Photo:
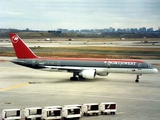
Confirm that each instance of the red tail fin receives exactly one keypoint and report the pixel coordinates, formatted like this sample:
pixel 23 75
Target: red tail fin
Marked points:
pixel 20 48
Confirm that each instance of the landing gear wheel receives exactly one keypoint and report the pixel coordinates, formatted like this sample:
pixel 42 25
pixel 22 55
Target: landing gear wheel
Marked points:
pixel 73 78
pixel 137 79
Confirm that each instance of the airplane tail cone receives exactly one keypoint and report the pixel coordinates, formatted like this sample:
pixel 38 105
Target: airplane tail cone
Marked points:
pixel 20 48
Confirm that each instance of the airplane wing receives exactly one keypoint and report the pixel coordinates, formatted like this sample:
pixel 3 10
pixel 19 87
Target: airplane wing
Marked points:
pixel 68 68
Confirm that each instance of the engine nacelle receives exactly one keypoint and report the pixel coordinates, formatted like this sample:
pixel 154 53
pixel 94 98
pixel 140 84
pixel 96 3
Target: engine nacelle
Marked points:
pixel 88 74
pixel 102 74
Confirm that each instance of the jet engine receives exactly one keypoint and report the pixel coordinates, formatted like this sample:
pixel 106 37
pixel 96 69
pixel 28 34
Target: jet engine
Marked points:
pixel 88 74
pixel 102 74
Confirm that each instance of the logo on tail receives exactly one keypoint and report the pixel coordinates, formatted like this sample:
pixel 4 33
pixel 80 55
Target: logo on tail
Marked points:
pixel 21 49
pixel 15 39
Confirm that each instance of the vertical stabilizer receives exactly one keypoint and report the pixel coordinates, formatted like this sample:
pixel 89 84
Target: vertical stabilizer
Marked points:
pixel 20 48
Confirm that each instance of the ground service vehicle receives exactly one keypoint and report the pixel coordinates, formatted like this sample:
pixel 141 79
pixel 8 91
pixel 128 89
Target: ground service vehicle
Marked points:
pixel 90 109
pixel 11 114
pixel 71 112
pixel 51 114
pixel 49 107
pixel 108 107
pixel 74 105
pixel 33 113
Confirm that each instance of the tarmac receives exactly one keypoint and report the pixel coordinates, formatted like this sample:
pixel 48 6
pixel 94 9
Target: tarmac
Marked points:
pixel 22 87
pixel 136 44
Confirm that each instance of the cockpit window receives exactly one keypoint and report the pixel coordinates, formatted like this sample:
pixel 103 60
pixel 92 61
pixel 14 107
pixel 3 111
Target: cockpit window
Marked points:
pixel 149 65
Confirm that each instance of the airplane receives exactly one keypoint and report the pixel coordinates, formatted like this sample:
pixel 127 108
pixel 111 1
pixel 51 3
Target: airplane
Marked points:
pixel 82 68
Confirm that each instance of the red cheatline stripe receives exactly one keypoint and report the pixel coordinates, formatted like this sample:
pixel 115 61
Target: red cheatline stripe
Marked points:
pixel 91 59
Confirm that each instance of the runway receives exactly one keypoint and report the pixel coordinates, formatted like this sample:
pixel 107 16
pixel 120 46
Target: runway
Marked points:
pixel 22 87
pixel 30 43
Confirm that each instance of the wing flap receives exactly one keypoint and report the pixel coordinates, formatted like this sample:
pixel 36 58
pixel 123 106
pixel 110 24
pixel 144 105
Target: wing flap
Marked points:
pixel 68 68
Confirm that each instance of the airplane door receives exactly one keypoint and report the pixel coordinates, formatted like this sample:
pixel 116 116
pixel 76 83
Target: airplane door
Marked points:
pixel 58 63
pixel 34 62
pixel 107 64
pixel 139 65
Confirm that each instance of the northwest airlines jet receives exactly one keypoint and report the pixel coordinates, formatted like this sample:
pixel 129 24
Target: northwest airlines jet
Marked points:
pixel 82 68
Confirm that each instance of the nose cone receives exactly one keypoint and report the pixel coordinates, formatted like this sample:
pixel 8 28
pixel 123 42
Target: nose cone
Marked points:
pixel 155 70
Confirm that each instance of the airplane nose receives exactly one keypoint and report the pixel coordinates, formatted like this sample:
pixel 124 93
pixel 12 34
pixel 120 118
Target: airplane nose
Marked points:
pixel 155 70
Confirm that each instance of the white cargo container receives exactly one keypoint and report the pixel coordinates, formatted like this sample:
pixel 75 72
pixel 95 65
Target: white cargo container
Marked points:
pixel 74 105
pixel 108 107
pixel 71 112
pixel 90 109
pixel 49 107
pixel 51 114
pixel 33 113
pixel 11 114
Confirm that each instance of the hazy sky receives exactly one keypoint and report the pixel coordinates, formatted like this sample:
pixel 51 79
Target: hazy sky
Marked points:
pixel 79 14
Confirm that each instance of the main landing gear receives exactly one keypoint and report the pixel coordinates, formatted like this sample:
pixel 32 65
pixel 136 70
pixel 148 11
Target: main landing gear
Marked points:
pixel 74 78
pixel 137 78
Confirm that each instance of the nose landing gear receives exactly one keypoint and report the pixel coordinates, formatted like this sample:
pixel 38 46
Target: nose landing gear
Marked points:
pixel 137 78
